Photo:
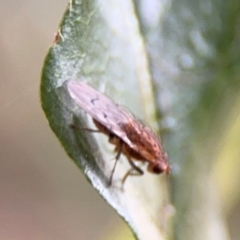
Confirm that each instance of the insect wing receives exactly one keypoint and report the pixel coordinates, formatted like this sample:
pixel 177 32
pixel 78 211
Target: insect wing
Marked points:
pixel 100 108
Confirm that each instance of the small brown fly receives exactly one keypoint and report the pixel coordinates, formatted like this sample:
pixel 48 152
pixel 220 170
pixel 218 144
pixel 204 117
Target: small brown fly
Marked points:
pixel 130 137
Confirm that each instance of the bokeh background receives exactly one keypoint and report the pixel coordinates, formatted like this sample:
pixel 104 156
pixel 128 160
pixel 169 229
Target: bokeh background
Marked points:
pixel 43 195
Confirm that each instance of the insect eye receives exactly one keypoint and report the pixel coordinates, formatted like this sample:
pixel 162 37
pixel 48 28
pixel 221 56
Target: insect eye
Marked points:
pixel 158 169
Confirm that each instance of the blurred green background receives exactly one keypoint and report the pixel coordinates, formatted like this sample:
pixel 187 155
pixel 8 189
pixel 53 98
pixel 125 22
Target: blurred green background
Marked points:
pixel 43 193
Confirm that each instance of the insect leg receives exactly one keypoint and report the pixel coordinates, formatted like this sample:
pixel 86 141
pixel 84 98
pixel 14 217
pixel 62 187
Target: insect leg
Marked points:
pixel 134 171
pixel 86 129
pixel 115 164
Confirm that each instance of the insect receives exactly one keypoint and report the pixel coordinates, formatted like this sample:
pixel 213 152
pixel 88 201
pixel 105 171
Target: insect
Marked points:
pixel 130 136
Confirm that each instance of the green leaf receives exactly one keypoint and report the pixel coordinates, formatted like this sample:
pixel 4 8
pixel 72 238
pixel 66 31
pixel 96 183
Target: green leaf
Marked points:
pixel 191 51
pixel 100 43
